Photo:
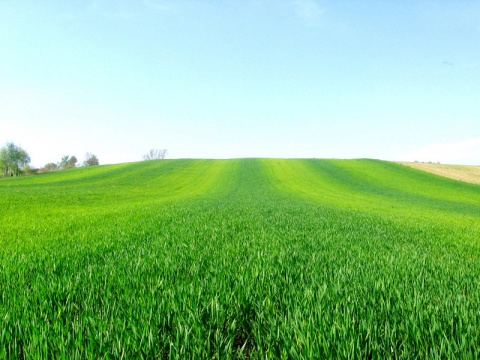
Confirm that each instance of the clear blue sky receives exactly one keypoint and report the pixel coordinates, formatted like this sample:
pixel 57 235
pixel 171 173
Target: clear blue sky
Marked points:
pixel 394 80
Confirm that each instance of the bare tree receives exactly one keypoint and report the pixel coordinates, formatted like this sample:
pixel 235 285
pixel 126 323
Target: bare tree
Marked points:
pixel 155 154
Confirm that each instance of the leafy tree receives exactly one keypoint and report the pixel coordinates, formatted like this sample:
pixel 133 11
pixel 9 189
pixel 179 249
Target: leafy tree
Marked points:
pixel 67 162
pixel 50 167
pixel 72 162
pixel 28 170
pixel 155 154
pixel 90 160
pixel 64 162
pixel 13 160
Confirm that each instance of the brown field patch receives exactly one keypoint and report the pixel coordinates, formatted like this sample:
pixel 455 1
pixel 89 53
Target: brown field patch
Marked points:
pixel 464 173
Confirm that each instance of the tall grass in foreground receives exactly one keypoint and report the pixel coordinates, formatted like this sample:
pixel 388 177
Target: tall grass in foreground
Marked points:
pixel 214 259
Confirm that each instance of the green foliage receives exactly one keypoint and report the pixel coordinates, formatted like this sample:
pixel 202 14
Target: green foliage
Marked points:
pixel 70 161
pixel 239 259
pixel 90 160
pixel 50 167
pixel 13 160
pixel 65 163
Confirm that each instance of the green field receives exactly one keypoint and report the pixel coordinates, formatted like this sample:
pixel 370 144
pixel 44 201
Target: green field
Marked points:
pixel 247 258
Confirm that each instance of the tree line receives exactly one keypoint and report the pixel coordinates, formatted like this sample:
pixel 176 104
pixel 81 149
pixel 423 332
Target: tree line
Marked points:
pixel 15 161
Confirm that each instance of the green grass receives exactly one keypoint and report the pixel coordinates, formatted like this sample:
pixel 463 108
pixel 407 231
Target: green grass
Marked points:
pixel 251 258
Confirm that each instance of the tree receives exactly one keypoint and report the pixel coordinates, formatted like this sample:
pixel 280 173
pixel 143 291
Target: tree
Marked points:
pixel 72 162
pixel 155 154
pixel 67 162
pixel 90 160
pixel 13 160
pixel 29 170
pixel 50 167
pixel 64 162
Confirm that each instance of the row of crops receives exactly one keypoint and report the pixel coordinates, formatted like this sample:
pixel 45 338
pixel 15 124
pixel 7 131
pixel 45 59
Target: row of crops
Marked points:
pixel 250 258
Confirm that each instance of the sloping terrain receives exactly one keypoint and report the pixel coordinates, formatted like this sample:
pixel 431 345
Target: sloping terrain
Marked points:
pixel 465 173
pixel 246 258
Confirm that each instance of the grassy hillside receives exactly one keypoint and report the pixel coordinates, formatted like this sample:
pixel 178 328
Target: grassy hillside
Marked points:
pixel 467 173
pixel 385 188
pixel 251 258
